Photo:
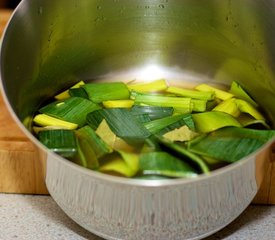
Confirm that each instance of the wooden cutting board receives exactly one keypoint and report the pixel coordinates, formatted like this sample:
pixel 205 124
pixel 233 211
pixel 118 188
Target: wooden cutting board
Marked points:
pixel 22 165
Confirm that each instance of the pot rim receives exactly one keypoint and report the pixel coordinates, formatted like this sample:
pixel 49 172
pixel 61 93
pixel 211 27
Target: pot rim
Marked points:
pixel 110 178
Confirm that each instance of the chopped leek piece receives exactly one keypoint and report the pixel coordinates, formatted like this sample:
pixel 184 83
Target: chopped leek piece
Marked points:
pixel 73 109
pixel 239 92
pixel 37 129
pixel 212 104
pixel 230 144
pixel 122 123
pixel 198 105
pixel 62 142
pixel 114 163
pixel 189 157
pixel 159 124
pixel 131 160
pixel 99 92
pixel 143 118
pixel 153 112
pixel 180 111
pixel 78 92
pixel 211 161
pixel 65 94
pixel 82 159
pixel 118 104
pixel 164 164
pixel 151 144
pixel 247 120
pixel 191 93
pixel 154 86
pixel 211 121
pixel 94 142
pixel 246 107
pixel 45 120
pixel 180 134
pixel 106 134
pixel 164 101
pixel 228 106
pixel 223 95
pixel 86 157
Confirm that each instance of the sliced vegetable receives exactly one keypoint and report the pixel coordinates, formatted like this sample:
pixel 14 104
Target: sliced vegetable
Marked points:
pixel 45 120
pixel 198 105
pixel 106 134
pixel 115 164
pixel 211 121
pixel 223 95
pixel 191 158
pixel 78 92
pixel 62 142
pixel 246 107
pixel 118 104
pixel 191 93
pixel 180 134
pixel 122 123
pixel 151 130
pixel 230 144
pixel 159 124
pixel 153 86
pixel 153 112
pixel 131 160
pixel 73 109
pixel 247 120
pixel 99 92
pixel 164 164
pixel 164 101
pixel 228 106
pixel 94 142
pixel 65 94
pixel 239 92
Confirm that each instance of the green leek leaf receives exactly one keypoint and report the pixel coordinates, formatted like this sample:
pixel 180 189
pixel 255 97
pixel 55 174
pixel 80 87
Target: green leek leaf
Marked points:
pixel 246 120
pixel 162 163
pixel 99 92
pixel 211 121
pixel 126 164
pixel 163 101
pixel 167 124
pixel 153 112
pixel 94 142
pixel 246 107
pixel 228 106
pixel 154 86
pixel 220 94
pixel 62 142
pixel 78 92
pixel 188 156
pixel 73 109
pixel 107 135
pixel 239 92
pixel 198 105
pixel 122 123
pixel 191 93
pixel 230 144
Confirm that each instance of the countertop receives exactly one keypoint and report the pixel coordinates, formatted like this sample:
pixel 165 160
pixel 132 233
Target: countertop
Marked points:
pixel 26 217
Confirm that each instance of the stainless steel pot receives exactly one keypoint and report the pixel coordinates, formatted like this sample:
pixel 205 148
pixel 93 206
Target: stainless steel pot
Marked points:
pixel 49 45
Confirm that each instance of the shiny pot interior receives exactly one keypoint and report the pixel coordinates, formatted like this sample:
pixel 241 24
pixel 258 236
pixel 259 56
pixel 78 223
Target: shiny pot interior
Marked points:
pixel 50 45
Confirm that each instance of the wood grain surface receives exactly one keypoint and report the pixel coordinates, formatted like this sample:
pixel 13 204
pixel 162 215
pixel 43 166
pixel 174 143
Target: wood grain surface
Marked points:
pixel 22 165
